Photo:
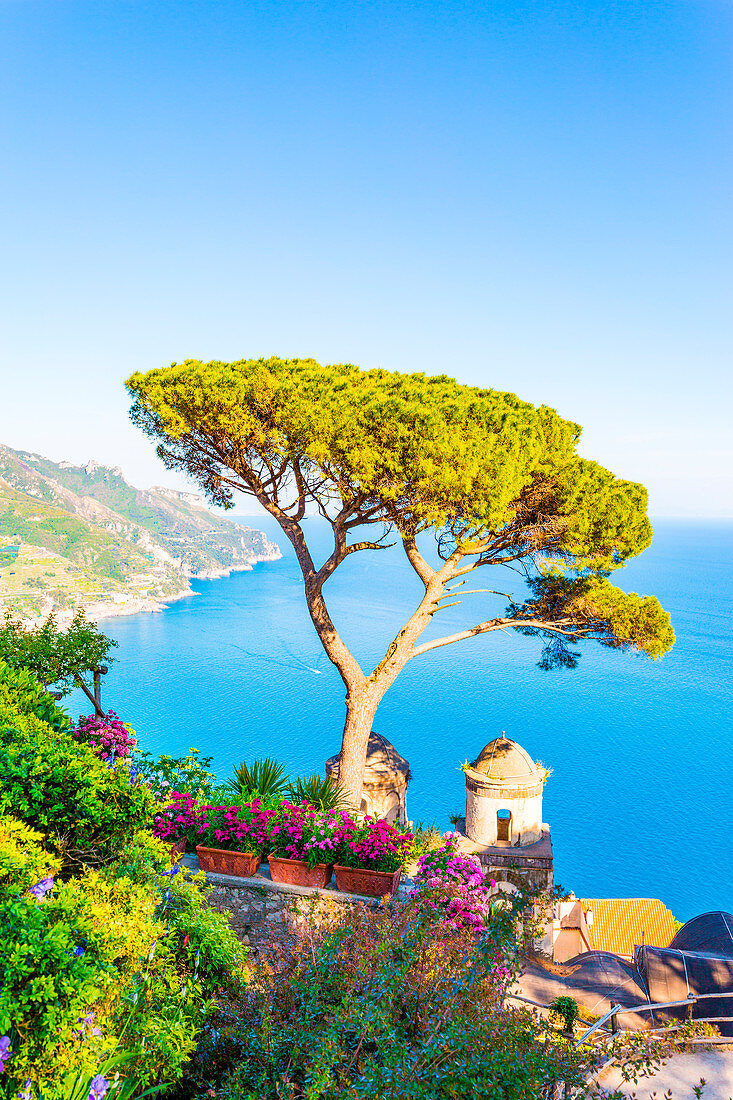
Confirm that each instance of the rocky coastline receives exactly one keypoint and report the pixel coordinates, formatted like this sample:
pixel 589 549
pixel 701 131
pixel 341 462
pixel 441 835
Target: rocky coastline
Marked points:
pixel 115 605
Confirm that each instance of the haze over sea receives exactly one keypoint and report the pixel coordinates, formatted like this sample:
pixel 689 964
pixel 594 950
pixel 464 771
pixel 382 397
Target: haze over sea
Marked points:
pixel 639 801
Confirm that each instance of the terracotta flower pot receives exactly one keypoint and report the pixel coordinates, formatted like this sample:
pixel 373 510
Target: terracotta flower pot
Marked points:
pixel 177 850
pixel 360 880
pixel 296 872
pixel 223 862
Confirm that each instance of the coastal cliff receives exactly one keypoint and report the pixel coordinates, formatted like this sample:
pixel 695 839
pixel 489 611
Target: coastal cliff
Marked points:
pixel 81 537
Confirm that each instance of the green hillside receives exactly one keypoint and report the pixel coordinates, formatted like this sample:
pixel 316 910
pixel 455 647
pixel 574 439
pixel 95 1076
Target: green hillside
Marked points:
pixel 70 535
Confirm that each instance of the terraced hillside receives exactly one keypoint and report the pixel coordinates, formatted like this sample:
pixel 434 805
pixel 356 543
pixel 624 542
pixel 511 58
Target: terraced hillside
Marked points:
pixel 75 536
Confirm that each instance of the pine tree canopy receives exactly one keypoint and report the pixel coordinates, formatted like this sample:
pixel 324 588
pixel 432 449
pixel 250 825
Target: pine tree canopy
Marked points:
pixel 498 480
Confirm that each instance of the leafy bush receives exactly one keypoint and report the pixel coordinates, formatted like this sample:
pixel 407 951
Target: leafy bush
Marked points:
pixel 382 1004
pixel 87 809
pixel 104 964
pixel 567 1010
pixel 115 965
pixel 20 693
pixel 168 774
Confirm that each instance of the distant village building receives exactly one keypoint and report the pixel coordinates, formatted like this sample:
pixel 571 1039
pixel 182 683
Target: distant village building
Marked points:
pixel 386 775
pixel 503 823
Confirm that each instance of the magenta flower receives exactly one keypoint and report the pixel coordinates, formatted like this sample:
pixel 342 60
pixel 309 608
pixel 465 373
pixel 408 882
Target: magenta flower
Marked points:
pixel 454 885
pixel 108 736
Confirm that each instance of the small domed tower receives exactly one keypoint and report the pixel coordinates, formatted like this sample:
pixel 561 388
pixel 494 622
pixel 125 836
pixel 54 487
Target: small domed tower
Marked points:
pixel 503 823
pixel 504 796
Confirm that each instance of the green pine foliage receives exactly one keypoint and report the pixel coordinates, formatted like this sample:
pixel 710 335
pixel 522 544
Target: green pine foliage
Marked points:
pixel 496 479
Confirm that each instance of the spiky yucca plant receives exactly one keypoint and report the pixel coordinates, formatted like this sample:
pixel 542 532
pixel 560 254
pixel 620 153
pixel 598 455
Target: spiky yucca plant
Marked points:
pixel 321 792
pixel 263 778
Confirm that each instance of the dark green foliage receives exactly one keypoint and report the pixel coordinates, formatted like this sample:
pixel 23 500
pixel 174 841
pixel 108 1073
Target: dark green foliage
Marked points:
pixel 59 786
pixel 263 778
pixel 567 1009
pixel 21 692
pixel 322 792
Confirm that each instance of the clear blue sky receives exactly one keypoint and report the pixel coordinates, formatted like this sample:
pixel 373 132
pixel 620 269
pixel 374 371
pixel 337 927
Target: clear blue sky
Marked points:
pixel 527 195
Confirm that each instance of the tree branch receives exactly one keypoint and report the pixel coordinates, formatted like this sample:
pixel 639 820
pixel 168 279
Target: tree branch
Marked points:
pixel 576 631
pixel 98 710
pixel 424 571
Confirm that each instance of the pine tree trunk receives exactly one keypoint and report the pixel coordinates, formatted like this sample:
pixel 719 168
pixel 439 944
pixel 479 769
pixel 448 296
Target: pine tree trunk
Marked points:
pixel 360 711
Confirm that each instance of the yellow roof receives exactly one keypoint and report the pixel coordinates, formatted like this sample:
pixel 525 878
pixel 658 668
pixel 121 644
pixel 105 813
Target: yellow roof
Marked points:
pixel 621 923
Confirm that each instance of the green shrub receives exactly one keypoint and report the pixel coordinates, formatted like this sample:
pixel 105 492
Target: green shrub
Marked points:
pixel 566 1009
pixel 166 774
pixel 87 809
pixel 108 956
pixel 21 694
pixel 381 1004
pixel 105 964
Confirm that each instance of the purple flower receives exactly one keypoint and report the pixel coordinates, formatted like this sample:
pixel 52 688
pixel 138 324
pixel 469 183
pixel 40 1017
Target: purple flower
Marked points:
pixel 4 1052
pixel 98 1087
pixel 27 1093
pixel 78 951
pixel 41 889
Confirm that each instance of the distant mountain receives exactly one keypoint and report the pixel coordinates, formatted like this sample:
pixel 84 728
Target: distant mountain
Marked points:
pixel 73 536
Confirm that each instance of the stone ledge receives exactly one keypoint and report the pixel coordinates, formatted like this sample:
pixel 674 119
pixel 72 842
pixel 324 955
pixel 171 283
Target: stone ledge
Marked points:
pixel 256 882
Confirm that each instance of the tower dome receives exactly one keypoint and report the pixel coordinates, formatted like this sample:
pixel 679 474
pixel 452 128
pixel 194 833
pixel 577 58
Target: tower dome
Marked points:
pixel 505 761
pixel 504 795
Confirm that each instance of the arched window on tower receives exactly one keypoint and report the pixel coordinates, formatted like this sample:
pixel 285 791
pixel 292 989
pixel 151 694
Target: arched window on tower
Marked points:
pixel 504 825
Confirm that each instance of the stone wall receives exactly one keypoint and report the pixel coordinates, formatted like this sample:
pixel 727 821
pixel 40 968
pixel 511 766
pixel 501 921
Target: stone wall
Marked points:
pixel 260 910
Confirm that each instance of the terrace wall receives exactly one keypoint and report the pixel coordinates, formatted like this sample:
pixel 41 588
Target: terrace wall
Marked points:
pixel 261 910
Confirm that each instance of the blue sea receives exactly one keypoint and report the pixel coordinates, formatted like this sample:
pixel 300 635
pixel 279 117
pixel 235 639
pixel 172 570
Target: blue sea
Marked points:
pixel 640 798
